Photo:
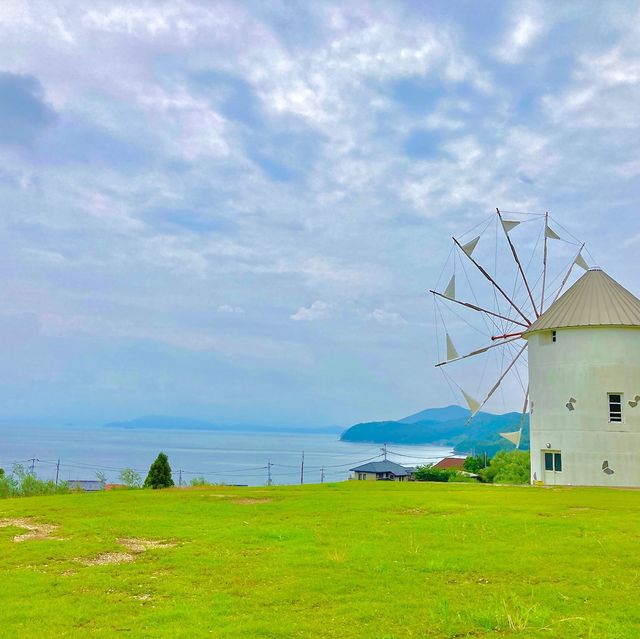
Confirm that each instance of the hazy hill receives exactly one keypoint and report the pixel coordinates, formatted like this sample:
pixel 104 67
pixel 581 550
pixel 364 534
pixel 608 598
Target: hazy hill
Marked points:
pixel 443 426
pixel 164 422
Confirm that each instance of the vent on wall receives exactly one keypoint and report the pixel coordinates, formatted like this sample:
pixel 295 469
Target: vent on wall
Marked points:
pixel 570 404
pixel 605 468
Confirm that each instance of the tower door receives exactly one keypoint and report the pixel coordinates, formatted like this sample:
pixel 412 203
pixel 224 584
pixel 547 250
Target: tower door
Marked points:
pixel 552 467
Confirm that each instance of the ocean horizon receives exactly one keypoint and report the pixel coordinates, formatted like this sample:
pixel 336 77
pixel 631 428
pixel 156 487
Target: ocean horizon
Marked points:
pixel 220 456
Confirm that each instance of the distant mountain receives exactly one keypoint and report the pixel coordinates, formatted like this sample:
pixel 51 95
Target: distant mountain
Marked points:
pixel 182 423
pixel 482 434
pixel 445 414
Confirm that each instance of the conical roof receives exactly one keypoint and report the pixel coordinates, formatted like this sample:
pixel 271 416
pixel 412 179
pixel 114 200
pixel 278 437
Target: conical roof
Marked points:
pixel 594 300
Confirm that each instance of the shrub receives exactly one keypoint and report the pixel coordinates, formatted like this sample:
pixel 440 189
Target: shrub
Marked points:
pixel 159 473
pixel 508 467
pixel 199 481
pixel 474 463
pixel 130 478
pixel 429 473
pixel 22 484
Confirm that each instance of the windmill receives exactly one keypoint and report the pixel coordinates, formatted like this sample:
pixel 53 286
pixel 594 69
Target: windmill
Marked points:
pixel 500 276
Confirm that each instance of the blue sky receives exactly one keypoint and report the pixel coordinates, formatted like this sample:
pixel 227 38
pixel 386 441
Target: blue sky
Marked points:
pixel 233 210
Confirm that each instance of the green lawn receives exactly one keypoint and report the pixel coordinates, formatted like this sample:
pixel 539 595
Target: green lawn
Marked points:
pixel 348 560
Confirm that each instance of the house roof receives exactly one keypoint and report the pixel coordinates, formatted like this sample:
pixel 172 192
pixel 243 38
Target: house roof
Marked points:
pixel 382 467
pixel 450 462
pixel 85 484
pixel 594 300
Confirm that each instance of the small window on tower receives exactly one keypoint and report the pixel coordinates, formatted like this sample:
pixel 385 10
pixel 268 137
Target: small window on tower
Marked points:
pixel 553 336
pixel 615 407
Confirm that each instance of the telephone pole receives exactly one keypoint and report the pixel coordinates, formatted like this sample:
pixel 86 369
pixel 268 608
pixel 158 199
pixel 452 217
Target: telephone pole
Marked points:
pixel 322 475
pixel 57 471
pixel 33 461
pixel 384 450
pixel 269 464
pixel 302 469
pixel 180 477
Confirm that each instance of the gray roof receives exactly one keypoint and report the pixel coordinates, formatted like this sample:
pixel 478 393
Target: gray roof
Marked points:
pixel 382 467
pixel 594 300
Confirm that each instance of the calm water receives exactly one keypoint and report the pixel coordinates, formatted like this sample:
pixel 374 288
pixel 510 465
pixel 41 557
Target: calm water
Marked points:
pixel 229 457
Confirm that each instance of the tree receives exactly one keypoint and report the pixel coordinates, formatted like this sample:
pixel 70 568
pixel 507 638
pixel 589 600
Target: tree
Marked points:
pixel 159 473
pixel 508 467
pixel 429 473
pixel 101 477
pixel 474 464
pixel 130 478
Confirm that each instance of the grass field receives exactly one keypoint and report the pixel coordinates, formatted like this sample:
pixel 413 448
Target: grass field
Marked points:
pixel 349 560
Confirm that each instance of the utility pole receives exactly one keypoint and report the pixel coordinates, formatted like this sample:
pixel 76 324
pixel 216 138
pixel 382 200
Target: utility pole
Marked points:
pixel 302 469
pixel 269 464
pixel 57 470
pixel 33 461
pixel 384 450
pixel 180 477
pixel 322 475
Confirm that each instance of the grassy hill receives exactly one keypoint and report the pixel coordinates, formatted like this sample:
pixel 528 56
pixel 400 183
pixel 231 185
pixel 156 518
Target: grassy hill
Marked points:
pixel 446 426
pixel 355 559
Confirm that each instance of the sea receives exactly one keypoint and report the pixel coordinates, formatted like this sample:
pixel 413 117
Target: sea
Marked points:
pixel 224 457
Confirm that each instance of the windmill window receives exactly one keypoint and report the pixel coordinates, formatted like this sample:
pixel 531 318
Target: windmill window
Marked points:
pixel 553 461
pixel 553 336
pixel 615 407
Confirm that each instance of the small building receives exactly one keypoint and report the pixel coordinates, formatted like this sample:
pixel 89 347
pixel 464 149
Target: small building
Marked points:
pixel 382 471
pixel 85 485
pixel 450 463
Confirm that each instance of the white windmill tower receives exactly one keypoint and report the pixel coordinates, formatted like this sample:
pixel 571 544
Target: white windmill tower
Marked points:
pixel 584 380
pixel 577 332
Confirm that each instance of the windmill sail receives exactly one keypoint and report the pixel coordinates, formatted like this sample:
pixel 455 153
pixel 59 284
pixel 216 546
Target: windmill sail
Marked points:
pixel 580 261
pixel 513 437
pixel 508 225
pixel 450 291
pixel 473 404
pixel 452 353
pixel 469 247
pixel 550 233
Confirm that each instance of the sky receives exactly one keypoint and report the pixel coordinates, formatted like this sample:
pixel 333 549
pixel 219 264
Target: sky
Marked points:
pixel 234 210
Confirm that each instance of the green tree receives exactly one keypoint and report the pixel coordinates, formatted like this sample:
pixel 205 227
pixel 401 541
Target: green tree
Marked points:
pixel 159 473
pixel 429 473
pixel 130 478
pixel 474 463
pixel 508 467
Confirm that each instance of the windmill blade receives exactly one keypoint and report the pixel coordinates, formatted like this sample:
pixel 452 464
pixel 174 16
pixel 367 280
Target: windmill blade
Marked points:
pixel 478 351
pixel 497 384
pixel 480 309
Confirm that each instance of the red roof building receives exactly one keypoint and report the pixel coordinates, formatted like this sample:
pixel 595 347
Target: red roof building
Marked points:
pixel 450 463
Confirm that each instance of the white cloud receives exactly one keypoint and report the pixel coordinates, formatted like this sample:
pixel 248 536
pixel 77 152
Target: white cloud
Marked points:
pixel 388 318
pixel 226 308
pixel 523 33
pixel 318 310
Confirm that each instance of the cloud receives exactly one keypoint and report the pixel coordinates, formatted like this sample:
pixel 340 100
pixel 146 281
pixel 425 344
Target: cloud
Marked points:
pixel 226 308
pixel 317 311
pixel 24 112
pixel 388 318
pixel 525 30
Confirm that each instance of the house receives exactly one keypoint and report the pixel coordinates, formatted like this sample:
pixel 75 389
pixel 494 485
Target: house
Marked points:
pixel 382 471
pixel 85 485
pixel 584 380
pixel 450 463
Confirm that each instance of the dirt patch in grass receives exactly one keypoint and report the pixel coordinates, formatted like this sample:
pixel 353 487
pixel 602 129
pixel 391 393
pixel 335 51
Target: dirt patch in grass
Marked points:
pixel 106 558
pixel 34 529
pixel 135 547
pixel 251 501
pixel 141 545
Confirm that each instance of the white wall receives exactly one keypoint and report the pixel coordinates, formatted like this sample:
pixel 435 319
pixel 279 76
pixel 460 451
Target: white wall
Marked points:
pixel 586 364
